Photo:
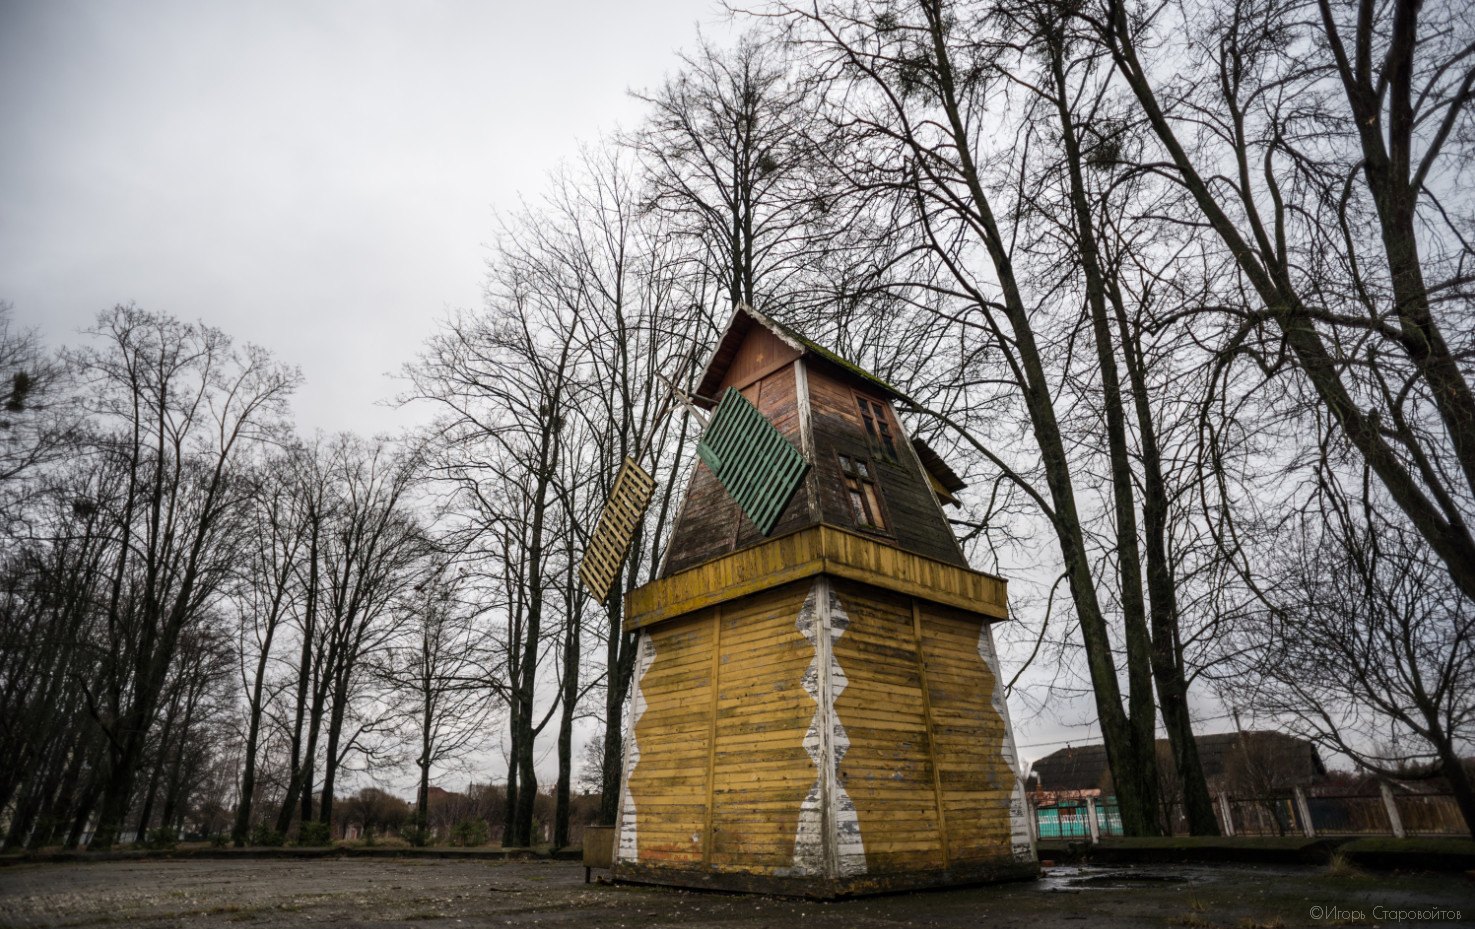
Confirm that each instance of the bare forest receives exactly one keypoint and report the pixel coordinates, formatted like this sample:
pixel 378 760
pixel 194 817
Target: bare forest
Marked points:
pixel 1185 291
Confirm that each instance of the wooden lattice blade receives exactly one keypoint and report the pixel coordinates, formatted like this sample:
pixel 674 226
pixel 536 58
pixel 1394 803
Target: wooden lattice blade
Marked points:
pixel 754 462
pixel 617 524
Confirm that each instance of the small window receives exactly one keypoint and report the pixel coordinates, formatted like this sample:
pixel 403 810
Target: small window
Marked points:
pixel 860 487
pixel 878 430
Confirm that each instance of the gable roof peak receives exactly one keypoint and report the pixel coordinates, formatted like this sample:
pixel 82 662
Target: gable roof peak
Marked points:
pixel 742 321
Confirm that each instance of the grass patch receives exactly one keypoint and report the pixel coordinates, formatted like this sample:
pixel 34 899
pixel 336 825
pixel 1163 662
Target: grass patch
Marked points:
pixel 1341 867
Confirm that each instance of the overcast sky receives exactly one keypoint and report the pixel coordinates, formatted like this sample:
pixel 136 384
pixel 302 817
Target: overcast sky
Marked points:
pixel 317 177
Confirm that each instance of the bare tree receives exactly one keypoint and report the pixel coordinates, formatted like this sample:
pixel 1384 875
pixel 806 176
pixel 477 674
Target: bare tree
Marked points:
pixel 1298 130
pixel 375 552
pixel 1364 644
pixel 276 538
pixel 182 409
pixel 731 145
pixel 916 85
pixel 436 662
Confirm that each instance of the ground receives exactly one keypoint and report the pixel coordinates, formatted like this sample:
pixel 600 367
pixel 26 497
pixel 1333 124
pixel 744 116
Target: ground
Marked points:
pixel 426 893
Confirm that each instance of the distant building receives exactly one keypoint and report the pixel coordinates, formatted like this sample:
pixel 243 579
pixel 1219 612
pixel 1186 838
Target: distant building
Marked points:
pixel 1255 761
pixel 1256 764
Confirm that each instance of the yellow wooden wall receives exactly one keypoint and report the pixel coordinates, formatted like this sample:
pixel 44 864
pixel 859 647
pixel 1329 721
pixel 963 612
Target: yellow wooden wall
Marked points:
pixel 762 771
pixel 925 758
pixel 757 769
pixel 975 779
pixel 886 771
pixel 669 782
pixel 924 766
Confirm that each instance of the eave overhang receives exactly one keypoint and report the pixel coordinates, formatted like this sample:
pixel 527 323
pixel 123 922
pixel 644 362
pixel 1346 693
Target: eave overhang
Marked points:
pixel 806 553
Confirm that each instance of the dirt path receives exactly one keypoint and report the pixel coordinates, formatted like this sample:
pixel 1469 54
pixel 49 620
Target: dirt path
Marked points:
pixel 440 893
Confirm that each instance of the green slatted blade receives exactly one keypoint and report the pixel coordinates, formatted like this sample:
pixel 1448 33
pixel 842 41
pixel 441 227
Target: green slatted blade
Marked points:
pixel 617 524
pixel 755 463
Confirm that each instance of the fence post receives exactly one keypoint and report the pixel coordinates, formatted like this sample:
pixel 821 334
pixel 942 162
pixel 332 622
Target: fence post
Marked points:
pixel 1303 810
pixel 1395 821
pixel 1226 814
pixel 1091 820
pixel 1034 819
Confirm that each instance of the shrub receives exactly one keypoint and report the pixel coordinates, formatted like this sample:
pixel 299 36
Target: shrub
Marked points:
pixel 161 839
pixel 313 834
pixel 472 831
pixel 219 840
pixel 417 837
pixel 267 836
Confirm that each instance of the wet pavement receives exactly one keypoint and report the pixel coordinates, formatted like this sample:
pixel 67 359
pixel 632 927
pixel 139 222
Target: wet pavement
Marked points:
pixel 452 893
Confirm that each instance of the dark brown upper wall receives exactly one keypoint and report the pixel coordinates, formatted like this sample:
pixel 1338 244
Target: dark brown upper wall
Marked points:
pixel 761 354
pixel 914 520
pixel 711 524
pixel 762 366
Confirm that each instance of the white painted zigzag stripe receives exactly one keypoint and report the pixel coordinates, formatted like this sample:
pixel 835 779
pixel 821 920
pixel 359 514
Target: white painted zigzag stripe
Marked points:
pixel 645 656
pixel 1021 839
pixel 814 617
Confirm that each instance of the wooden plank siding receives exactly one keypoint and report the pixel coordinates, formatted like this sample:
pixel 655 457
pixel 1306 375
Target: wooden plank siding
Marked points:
pixel 762 771
pixel 723 771
pixel 722 767
pixel 914 521
pixel 967 735
pixel 669 783
pixel 887 770
pixel 806 553
pixel 763 368
pixel 710 523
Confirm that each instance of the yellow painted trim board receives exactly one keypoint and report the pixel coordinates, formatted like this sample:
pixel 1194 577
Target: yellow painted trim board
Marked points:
pixel 806 553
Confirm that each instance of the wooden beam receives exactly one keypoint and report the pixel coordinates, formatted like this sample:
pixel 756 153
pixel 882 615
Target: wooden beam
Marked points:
pixel 808 552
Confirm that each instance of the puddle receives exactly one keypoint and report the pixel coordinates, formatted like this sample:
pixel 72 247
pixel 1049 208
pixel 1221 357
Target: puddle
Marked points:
pixel 1078 878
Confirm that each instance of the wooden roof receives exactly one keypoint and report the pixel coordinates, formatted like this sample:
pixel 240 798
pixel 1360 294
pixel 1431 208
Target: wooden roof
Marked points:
pixel 832 412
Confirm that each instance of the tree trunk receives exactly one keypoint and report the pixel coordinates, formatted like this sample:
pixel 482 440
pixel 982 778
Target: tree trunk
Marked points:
pixel 509 834
pixel 253 732
pixel 60 799
pixel 1459 783
pixel 330 758
pixel 1136 790
pixel 570 698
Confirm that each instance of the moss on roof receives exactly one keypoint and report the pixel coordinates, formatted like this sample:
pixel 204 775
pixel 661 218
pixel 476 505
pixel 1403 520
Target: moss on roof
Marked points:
pixel 834 359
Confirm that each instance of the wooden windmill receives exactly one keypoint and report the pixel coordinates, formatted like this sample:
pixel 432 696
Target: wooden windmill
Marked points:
pixel 816 707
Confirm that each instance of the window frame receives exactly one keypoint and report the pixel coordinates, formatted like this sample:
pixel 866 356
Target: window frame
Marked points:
pixel 861 482
pixel 875 422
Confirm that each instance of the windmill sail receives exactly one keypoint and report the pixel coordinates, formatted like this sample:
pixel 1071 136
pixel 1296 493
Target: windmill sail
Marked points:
pixel 611 541
pixel 755 463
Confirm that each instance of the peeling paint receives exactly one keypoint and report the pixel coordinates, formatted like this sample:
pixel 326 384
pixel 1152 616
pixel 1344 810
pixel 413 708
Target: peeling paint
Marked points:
pixel 822 621
pixel 645 656
pixel 1021 839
